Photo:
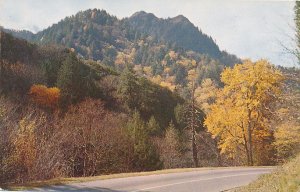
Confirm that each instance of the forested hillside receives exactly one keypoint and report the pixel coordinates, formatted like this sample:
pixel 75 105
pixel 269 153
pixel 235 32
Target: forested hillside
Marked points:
pixel 65 116
pixel 163 50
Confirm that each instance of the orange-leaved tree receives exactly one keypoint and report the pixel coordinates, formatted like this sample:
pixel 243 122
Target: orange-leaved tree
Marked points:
pixel 47 97
pixel 240 117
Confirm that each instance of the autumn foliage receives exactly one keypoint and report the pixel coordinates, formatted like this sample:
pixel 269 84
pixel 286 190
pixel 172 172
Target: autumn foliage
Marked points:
pixel 44 96
pixel 240 117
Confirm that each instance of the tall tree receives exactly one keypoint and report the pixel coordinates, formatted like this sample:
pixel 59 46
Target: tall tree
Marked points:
pixel 241 115
pixel 128 87
pixel 297 22
pixel 194 116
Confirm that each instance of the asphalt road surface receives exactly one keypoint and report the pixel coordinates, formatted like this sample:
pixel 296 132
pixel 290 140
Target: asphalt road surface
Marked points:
pixel 196 181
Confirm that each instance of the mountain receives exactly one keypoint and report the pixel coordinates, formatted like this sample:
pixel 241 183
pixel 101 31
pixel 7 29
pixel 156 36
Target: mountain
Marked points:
pixel 170 47
pixel 178 30
pixel 22 34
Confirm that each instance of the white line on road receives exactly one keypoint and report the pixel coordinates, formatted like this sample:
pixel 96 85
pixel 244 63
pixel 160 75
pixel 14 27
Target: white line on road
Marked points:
pixel 167 185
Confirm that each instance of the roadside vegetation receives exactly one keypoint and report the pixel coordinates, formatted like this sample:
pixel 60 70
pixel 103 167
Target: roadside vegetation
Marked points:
pixel 285 178
pixel 287 134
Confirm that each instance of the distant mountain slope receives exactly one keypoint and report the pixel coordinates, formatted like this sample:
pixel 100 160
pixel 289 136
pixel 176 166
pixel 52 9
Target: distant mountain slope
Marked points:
pixel 96 28
pixel 177 30
pixel 170 47
pixel 22 34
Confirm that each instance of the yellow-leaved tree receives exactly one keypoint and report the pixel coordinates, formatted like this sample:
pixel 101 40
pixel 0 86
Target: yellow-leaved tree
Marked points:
pixel 240 117
pixel 24 155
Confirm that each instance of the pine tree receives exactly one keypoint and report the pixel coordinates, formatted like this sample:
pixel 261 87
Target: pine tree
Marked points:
pixel 128 88
pixel 70 80
pixel 153 126
pixel 145 155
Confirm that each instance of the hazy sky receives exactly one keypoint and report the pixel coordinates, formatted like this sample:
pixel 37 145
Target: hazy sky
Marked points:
pixel 249 29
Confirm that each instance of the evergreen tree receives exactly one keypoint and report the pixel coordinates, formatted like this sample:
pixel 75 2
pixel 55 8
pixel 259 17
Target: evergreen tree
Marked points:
pixel 179 111
pixel 180 75
pixel 153 126
pixel 145 155
pixel 128 87
pixel 50 69
pixel 70 80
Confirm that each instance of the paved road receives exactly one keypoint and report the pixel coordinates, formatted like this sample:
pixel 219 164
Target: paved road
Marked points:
pixel 196 181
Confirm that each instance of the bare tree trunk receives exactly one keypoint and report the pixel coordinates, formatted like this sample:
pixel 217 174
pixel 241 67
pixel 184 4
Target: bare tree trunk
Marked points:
pixel 250 146
pixel 84 161
pixel 193 124
pixel 246 148
pixel 194 149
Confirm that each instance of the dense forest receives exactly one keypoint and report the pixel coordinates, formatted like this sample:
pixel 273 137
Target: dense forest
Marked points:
pixel 96 95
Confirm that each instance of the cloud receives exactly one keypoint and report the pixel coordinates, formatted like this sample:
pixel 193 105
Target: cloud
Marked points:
pixel 249 29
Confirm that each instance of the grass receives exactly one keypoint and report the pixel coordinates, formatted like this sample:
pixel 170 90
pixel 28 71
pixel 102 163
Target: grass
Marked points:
pixel 62 181
pixel 285 179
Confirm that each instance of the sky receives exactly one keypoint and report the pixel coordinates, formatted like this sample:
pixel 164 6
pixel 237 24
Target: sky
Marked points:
pixel 248 29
